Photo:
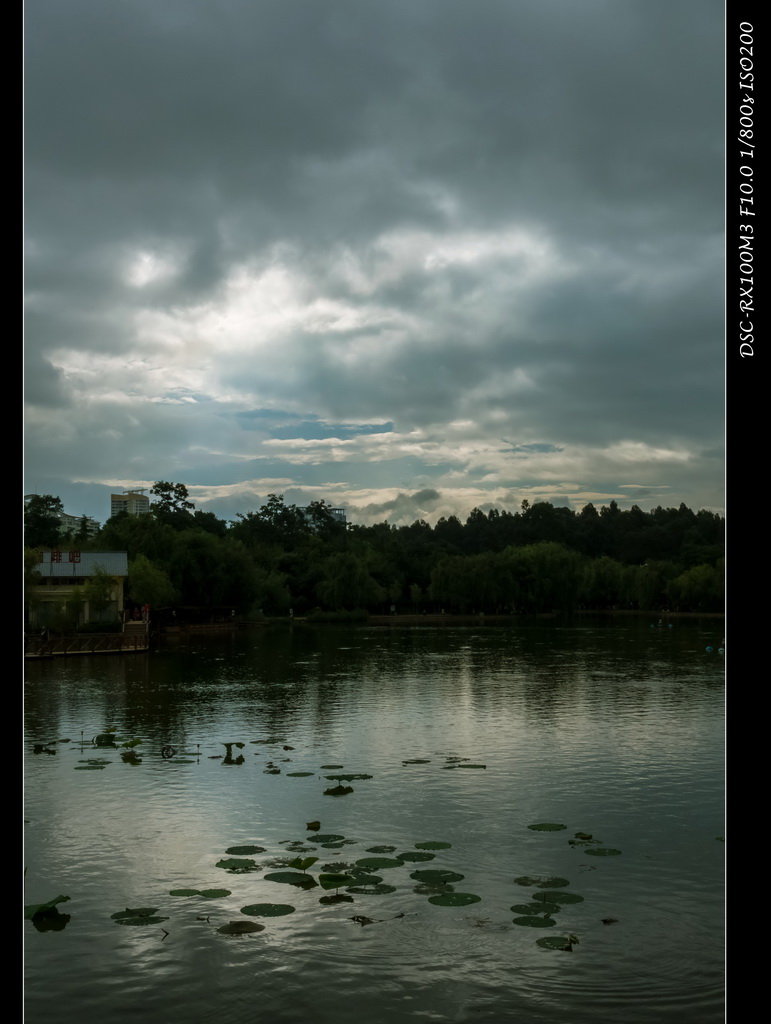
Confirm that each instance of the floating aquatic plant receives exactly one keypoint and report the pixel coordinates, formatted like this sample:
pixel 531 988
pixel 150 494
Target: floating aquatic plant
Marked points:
pixel 534 908
pixel 240 928
pixel 601 851
pixel 244 851
pixel 418 760
pixel 237 866
pixel 380 862
pixel 535 922
pixel 334 880
pixel 298 775
pixel 378 889
pixel 268 909
pixel 293 878
pixel 432 845
pixel 436 876
pixel 336 897
pixel 471 766
pixel 557 897
pixel 347 778
pixel 330 767
pixel 454 899
pixel 547 826
pixel 563 942
pixel 209 894
pixel 328 837
pixel 338 791
pixel 36 911
pixel 417 855
pixel 381 849
pixel 302 863
pixel 138 916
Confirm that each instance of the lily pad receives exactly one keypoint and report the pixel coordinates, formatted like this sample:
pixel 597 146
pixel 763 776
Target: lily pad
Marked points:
pixel 534 908
pixel 302 863
pixel 243 851
pixel 268 909
pixel 334 880
pixel 563 942
pixel 417 855
pixel 240 928
pixel 298 775
pixel 237 865
pixel 381 849
pixel 346 778
pixel 436 876
pixel 454 899
pixel 37 910
pixel 214 894
pixel 535 922
pixel 471 766
pixel 527 880
pixel 432 845
pixel 336 897
pixel 380 889
pixel 293 878
pixel 338 791
pixel 601 851
pixel 432 888
pixel 138 916
pixel 379 862
pixel 547 826
pixel 327 838
pixel 418 760
pixel 552 883
pixel 557 897
pixel 330 767
pixel 184 892
pixel 89 767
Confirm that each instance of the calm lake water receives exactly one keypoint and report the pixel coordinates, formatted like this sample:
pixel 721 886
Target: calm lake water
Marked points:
pixel 612 729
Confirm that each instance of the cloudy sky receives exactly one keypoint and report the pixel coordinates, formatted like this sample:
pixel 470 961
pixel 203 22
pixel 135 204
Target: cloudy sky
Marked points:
pixel 407 257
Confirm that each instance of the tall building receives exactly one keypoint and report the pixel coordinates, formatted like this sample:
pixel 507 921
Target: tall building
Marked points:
pixel 136 503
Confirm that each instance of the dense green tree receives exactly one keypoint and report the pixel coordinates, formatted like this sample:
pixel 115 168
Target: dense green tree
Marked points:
pixel 172 505
pixel 98 591
pixel 149 584
pixel 42 519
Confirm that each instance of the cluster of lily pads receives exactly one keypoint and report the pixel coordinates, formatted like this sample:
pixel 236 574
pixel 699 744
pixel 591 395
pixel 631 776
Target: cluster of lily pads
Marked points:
pixel 544 905
pixel 353 878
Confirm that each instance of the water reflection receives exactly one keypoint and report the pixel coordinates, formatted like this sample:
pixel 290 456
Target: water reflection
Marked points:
pixel 613 729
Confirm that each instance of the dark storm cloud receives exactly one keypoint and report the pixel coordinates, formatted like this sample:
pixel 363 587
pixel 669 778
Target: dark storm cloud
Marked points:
pixel 457 221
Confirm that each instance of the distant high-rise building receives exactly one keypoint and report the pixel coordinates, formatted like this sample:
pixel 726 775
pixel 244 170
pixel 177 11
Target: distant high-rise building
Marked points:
pixel 136 503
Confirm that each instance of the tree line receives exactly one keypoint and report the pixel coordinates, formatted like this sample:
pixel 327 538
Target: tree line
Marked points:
pixel 281 557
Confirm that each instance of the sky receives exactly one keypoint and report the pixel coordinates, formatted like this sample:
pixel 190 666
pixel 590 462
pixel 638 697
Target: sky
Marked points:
pixel 409 258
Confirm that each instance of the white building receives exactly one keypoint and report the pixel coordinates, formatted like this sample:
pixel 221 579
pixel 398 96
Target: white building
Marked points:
pixel 136 503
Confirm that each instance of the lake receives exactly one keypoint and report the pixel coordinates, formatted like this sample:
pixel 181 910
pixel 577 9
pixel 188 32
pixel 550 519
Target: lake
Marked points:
pixel 463 736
